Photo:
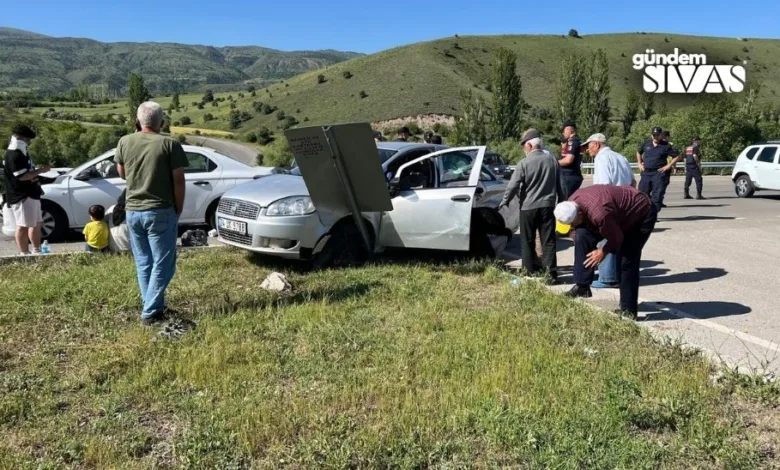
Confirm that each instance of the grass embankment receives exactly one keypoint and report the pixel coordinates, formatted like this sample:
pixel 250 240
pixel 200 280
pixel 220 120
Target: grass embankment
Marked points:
pixel 390 366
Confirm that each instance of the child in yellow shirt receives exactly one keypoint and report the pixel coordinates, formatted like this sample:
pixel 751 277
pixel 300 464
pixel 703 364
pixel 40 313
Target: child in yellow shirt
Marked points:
pixel 96 232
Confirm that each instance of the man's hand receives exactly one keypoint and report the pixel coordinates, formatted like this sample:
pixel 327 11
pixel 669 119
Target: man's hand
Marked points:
pixel 594 258
pixel 664 169
pixel 641 166
pixel 503 205
pixel 44 169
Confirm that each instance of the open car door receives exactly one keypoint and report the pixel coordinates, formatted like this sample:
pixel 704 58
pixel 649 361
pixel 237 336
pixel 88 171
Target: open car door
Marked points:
pixel 432 201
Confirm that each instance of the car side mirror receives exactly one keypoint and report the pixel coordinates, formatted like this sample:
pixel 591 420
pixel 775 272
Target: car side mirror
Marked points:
pixel 394 186
pixel 83 176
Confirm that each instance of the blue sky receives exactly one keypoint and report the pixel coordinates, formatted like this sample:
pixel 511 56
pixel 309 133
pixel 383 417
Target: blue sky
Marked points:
pixel 367 26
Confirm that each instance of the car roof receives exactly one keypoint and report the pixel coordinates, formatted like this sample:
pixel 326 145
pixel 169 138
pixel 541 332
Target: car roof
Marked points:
pixel 400 145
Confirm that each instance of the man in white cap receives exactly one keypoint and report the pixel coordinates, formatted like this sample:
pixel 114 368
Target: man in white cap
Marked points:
pixel 607 220
pixel 611 168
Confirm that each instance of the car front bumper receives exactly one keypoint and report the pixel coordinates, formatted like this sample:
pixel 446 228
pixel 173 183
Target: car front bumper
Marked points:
pixel 275 236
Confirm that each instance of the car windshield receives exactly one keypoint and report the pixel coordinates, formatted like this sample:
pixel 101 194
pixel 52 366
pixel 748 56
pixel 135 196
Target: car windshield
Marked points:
pixel 384 155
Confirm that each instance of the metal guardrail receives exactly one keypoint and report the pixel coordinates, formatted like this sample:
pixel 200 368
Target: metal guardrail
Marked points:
pixel 680 167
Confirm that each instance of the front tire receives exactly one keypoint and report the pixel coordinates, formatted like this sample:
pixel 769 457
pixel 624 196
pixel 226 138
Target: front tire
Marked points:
pixel 55 222
pixel 744 187
pixel 344 248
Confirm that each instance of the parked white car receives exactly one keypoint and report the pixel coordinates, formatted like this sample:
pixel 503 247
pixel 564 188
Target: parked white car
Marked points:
pixel 67 200
pixel 757 168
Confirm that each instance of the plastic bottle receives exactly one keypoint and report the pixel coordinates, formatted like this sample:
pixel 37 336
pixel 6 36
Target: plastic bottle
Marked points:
pixel 45 249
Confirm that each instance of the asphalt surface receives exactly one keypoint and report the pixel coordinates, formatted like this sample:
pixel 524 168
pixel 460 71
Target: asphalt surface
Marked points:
pixel 709 275
pixel 240 152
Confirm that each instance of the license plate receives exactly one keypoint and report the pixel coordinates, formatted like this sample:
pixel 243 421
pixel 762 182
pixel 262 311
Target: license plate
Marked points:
pixel 233 226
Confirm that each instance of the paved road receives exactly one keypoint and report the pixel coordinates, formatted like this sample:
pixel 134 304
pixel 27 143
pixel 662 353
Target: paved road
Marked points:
pixel 240 152
pixel 709 274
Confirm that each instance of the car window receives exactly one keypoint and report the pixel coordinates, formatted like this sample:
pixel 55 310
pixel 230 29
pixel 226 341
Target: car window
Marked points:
pixel 455 168
pixel 767 155
pixel 199 163
pixel 385 154
pixel 103 169
pixel 751 153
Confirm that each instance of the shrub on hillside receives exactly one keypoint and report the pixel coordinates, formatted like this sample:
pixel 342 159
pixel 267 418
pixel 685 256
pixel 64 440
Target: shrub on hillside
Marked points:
pixel 278 154
pixel 181 138
pixel 200 105
pixel 573 33
pixel 268 109
pixel 321 78
pixel 259 160
pixel 280 116
pixel 208 96
pixel 290 122
pixel 208 117
pixel 347 75
pixel 185 120
pixel 250 137
pixel 363 94
pixel 264 136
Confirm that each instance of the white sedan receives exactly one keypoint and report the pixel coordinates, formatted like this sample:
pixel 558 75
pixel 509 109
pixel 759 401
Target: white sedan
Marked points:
pixel 208 174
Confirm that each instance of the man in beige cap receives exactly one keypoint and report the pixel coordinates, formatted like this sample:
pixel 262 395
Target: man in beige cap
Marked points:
pixel 537 184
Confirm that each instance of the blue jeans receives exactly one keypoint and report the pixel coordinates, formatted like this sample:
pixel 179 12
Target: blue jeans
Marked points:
pixel 608 272
pixel 153 235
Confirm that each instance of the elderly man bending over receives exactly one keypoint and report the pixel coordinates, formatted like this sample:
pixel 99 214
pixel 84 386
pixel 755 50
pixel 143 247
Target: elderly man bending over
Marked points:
pixel 153 166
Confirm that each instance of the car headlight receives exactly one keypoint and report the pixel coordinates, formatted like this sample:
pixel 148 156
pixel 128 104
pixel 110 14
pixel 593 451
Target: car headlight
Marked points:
pixel 295 205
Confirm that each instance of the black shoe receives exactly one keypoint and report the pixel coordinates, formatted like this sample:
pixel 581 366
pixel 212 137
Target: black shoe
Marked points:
pixel 156 318
pixel 687 196
pixel 579 292
pixel 701 198
pixel 627 314
pixel 663 205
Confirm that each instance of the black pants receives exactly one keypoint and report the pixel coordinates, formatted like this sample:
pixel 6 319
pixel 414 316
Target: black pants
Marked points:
pixel 628 258
pixel 654 183
pixel 693 174
pixel 543 221
pixel 572 183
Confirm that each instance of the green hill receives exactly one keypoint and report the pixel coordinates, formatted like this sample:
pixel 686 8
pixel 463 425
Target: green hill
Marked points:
pixel 31 61
pixel 427 78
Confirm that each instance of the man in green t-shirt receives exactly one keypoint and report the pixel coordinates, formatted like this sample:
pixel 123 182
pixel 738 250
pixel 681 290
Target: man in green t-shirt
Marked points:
pixel 153 166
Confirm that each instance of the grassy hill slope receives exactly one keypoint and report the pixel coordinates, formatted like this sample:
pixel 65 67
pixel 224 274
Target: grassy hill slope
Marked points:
pixel 32 61
pixel 427 78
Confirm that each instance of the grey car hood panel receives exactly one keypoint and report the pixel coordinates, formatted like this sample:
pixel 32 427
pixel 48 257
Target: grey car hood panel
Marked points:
pixel 268 189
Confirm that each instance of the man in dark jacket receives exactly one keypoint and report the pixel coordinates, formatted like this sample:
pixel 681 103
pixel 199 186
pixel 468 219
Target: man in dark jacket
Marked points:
pixel 23 190
pixel 537 183
pixel 571 159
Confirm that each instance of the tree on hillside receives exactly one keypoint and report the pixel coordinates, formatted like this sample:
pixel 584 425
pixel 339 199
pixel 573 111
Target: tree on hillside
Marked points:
pixel 596 108
pixel 136 94
pixel 235 119
pixel 507 99
pixel 570 89
pixel 573 33
pixel 471 125
pixel 631 112
pixel 647 106
pixel 175 101
pixel 208 97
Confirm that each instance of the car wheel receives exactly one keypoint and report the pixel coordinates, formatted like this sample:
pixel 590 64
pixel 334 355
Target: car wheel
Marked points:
pixel 743 186
pixel 211 214
pixel 55 222
pixel 344 248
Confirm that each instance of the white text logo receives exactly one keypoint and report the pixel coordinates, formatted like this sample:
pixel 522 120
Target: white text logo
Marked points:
pixel 687 73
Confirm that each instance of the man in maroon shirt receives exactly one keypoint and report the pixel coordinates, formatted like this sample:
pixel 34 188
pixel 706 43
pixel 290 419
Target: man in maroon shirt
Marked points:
pixel 609 219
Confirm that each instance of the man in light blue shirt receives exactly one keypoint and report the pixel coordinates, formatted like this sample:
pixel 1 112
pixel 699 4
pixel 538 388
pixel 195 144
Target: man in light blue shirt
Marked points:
pixel 610 168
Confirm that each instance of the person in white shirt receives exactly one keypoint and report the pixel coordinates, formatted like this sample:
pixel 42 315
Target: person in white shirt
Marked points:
pixel 610 168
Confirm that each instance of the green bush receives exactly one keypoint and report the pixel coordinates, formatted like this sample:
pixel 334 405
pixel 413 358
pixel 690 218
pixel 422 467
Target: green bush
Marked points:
pixel 278 154
pixel 259 159
pixel 181 138
pixel 321 78
pixel 363 94
pixel 264 136
pixel 280 116
pixel 250 137
pixel 347 75
pixel 290 122
pixel 185 120
pixel 414 128
pixel 208 117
